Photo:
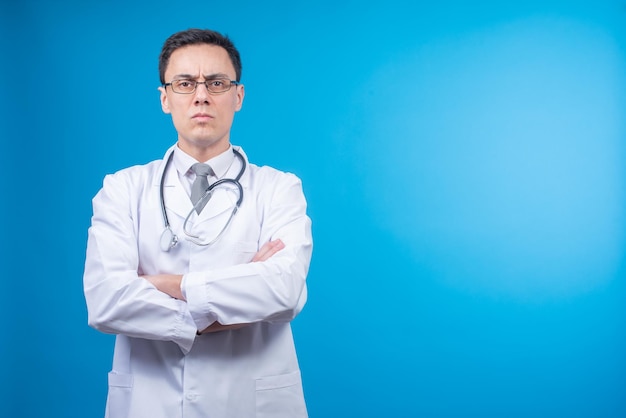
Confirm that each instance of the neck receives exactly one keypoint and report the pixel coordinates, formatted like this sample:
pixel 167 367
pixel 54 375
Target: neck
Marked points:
pixel 203 153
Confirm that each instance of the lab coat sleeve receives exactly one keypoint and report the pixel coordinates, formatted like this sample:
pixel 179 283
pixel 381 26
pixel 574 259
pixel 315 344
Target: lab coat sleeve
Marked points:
pixel 269 291
pixel 118 300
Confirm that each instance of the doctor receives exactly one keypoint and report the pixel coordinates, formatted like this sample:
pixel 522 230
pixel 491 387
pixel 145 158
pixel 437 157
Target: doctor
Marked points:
pixel 200 295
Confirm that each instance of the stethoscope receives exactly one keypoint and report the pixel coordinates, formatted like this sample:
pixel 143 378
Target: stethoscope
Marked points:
pixel 168 237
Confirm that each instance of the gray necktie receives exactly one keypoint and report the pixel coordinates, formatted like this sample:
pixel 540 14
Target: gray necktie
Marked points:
pixel 200 184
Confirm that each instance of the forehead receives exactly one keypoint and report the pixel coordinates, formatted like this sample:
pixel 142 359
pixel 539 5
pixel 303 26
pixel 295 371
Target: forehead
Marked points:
pixel 199 59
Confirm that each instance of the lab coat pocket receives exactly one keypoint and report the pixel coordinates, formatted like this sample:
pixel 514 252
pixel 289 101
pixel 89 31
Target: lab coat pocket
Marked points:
pixel 280 396
pixel 120 390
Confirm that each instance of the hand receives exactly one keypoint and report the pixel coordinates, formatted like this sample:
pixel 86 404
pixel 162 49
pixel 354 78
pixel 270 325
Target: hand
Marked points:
pixel 216 327
pixel 167 283
pixel 268 250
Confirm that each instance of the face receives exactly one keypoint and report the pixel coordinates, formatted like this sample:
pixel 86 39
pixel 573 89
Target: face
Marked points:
pixel 202 119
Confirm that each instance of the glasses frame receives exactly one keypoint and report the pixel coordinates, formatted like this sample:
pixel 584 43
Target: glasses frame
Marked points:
pixel 206 84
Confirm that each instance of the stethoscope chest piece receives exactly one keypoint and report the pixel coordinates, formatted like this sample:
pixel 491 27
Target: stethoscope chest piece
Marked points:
pixel 168 240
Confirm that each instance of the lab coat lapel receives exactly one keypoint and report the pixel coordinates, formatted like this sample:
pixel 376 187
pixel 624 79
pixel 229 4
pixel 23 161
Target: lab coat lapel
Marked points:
pixel 224 201
pixel 221 201
pixel 176 199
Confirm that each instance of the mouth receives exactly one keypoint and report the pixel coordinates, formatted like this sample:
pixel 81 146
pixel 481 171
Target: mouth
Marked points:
pixel 202 117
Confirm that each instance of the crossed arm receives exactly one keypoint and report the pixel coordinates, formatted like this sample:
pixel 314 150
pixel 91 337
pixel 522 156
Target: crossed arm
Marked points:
pixel 171 283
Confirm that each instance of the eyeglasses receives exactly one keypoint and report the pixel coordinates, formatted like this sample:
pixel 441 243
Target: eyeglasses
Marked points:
pixel 215 85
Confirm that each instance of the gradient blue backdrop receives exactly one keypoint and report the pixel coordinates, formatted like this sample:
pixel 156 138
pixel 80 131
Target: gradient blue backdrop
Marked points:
pixel 464 164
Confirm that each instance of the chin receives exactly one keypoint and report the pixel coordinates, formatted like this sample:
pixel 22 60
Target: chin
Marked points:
pixel 204 142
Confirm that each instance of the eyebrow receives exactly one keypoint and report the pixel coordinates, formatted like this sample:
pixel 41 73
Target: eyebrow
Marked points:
pixel 206 77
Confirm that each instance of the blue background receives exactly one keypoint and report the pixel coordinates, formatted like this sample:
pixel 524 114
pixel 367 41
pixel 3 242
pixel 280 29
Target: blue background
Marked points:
pixel 464 164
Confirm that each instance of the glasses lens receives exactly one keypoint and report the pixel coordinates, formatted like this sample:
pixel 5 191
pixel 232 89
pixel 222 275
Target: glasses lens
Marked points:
pixel 218 85
pixel 183 86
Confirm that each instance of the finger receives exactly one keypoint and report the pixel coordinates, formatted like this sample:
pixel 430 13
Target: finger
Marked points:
pixel 268 250
pixel 263 252
pixel 216 327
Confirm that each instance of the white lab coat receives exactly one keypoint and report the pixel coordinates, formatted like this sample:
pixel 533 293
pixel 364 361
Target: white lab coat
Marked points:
pixel 160 367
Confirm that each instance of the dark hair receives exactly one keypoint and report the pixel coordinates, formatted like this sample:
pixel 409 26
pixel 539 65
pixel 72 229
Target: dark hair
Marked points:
pixel 193 37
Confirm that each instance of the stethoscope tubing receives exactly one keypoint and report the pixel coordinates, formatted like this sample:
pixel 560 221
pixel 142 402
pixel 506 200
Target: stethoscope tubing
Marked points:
pixel 168 239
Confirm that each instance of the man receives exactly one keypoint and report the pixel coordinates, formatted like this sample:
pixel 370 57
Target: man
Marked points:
pixel 200 293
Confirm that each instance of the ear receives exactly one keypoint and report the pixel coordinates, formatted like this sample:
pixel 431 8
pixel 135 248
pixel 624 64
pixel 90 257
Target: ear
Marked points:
pixel 164 102
pixel 239 97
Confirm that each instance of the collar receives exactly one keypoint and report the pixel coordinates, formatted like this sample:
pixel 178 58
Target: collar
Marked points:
pixel 220 163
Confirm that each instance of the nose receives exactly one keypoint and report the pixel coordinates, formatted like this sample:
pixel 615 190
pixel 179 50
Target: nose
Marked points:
pixel 202 92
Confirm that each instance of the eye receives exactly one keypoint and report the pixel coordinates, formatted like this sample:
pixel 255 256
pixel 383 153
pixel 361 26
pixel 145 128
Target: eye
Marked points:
pixel 184 84
pixel 218 83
